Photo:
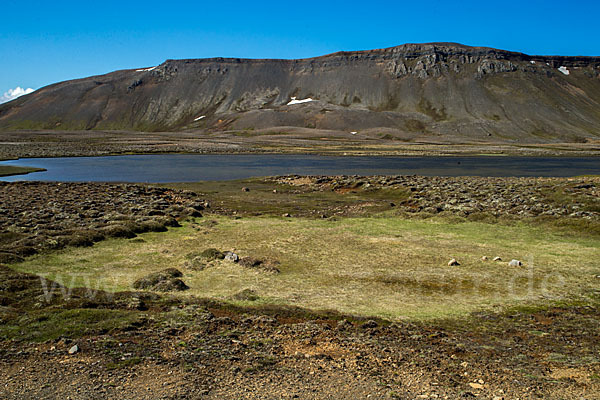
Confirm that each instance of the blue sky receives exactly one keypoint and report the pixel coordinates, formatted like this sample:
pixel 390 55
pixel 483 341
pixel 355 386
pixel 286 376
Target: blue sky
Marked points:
pixel 46 42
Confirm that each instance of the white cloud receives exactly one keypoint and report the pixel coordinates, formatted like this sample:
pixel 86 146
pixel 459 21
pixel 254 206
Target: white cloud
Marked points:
pixel 14 93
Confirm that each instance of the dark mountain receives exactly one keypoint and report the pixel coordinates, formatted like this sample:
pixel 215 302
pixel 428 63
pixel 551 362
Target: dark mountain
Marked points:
pixel 410 90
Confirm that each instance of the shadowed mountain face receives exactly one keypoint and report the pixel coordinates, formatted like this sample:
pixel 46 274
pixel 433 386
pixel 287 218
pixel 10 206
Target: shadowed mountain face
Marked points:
pixel 445 90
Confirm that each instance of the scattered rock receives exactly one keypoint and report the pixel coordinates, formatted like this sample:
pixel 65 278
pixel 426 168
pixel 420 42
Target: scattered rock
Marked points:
pixel 478 198
pixel 286 215
pixel 497 259
pixel 515 263
pixel 453 263
pixel 245 189
pixel 484 258
pixel 476 385
pixel 74 349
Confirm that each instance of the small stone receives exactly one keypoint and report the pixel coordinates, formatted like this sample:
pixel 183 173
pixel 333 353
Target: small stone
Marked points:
pixel 274 190
pixel 74 349
pixel 476 385
pixel 286 215
pixel 453 263
pixel 245 189
pixel 231 256
pixel 515 263
pixel 497 259
pixel 484 258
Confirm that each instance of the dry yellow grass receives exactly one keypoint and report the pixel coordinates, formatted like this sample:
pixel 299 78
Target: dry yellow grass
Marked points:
pixel 381 266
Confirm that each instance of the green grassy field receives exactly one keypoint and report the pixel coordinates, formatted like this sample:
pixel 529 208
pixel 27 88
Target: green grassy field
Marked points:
pixel 383 265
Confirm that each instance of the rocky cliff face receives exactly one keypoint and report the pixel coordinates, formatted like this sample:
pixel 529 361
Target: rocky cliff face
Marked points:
pixel 409 90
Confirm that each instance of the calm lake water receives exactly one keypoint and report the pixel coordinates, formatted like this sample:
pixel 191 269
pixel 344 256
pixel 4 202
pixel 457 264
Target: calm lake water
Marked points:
pixel 196 167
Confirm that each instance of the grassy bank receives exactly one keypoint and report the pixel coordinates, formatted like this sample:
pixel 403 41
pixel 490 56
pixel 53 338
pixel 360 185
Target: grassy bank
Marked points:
pixel 8 170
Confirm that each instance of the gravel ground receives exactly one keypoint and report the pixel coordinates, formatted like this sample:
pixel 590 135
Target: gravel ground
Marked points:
pixel 523 197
